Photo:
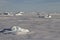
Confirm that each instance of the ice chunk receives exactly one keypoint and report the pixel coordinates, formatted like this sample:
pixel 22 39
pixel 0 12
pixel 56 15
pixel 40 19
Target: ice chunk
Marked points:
pixel 17 28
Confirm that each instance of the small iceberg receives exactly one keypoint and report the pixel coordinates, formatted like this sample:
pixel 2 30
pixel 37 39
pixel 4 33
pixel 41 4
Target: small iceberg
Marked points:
pixel 19 13
pixel 18 30
pixel 48 16
pixel 15 30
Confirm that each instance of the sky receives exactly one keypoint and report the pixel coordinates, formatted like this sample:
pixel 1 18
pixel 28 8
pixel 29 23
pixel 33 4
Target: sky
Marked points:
pixel 30 5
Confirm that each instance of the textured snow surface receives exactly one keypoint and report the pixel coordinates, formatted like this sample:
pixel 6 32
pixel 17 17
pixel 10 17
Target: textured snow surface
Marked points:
pixel 43 29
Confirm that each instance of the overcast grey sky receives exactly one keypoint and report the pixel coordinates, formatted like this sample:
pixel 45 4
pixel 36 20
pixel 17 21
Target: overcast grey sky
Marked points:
pixel 30 5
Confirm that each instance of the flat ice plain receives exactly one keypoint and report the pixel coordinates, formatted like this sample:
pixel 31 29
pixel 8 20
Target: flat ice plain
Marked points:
pixel 45 29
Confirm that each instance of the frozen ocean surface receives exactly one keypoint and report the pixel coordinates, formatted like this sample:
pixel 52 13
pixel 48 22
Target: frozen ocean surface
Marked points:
pixel 44 29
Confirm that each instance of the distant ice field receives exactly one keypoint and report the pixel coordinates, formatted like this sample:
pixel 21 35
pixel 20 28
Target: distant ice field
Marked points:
pixel 45 29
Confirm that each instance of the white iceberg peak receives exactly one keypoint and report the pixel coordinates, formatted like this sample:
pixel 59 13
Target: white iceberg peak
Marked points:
pixel 19 29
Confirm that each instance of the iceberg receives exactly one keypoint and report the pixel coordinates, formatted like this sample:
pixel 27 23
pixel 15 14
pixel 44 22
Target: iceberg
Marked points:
pixel 15 30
